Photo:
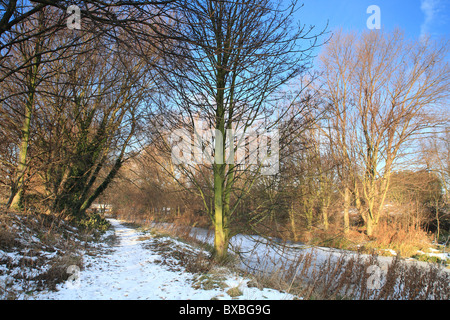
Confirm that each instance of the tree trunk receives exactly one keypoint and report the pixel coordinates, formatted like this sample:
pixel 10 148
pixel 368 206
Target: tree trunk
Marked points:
pixel 16 202
pixel 221 212
pixel 325 217
pixel 292 219
pixel 220 238
pixel 370 226
pixel 346 209
pixel 438 231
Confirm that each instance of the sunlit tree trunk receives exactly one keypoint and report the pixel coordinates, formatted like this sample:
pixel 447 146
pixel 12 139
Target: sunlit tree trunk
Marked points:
pixel 346 209
pixel 17 194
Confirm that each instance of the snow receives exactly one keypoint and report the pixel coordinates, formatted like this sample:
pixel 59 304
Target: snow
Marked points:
pixel 136 267
pixel 263 256
pixel 132 271
pixel 435 253
pixel 259 253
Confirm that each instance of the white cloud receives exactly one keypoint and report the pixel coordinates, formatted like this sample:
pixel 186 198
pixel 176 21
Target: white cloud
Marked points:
pixel 430 10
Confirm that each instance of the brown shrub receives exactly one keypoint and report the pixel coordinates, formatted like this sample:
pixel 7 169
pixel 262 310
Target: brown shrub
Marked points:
pixel 406 240
pixel 358 277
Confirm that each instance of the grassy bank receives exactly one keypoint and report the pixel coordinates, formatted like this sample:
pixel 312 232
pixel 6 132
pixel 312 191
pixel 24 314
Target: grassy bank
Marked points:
pixel 38 251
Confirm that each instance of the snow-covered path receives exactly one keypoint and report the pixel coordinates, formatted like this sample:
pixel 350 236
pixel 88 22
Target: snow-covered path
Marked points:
pixel 131 270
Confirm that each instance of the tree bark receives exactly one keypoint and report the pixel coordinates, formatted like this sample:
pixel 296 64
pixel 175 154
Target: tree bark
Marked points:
pixel 346 209
pixel 16 202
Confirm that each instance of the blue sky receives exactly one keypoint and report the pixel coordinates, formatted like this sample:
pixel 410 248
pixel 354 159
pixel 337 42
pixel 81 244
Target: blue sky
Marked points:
pixel 413 16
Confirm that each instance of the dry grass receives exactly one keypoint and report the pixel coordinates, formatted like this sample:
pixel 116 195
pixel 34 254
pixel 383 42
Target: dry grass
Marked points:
pixel 347 275
pixel 36 250
pixel 406 240
pixel 57 273
pixel 178 258
pixel 356 277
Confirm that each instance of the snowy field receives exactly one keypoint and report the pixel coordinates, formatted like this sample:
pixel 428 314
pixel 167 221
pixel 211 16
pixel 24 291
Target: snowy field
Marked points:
pixel 261 254
pixel 140 264
pixel 132 270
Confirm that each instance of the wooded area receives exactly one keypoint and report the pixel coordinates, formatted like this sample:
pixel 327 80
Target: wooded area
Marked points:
pixel 219 114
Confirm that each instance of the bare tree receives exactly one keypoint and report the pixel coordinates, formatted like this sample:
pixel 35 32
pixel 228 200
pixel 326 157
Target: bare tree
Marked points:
pixel 97 17
pixel 382 89
pixel 34 38
pixel 94 114
pixel 435 154
pixel 236 55
pixel 24 83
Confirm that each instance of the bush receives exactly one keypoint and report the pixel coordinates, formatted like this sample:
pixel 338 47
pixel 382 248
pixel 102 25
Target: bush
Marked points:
pixel 44 247
pixel 94 221
pixel 405 240
pixel 58 271
pixel 357 277
pixel 427 258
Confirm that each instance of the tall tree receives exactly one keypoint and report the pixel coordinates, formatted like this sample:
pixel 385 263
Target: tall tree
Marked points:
pixel 96 17
pixel 382 88
pixel 236 55
pixel 26 83
pixel 34 37
pixel 94 109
